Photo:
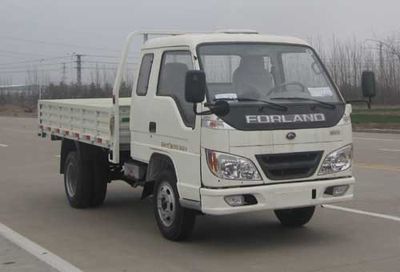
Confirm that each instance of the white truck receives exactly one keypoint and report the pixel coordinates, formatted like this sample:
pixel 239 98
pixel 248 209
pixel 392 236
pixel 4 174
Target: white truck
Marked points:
pixel 218 123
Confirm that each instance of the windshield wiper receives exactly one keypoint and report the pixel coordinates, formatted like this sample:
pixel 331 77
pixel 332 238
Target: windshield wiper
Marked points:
pixel 245 99
pixel 322 103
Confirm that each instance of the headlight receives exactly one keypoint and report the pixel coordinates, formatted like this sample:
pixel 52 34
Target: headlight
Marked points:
pixel 338 160
pixel 213 122
pixel 227 166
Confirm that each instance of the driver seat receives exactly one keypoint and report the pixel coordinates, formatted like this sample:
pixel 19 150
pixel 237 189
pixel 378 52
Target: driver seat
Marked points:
pixel 251 76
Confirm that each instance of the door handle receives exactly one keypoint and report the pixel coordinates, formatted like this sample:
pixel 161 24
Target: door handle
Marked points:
pixel 152 127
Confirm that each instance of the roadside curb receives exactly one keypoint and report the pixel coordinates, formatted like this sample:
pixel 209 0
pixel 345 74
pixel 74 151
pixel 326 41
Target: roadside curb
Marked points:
pixel 377 130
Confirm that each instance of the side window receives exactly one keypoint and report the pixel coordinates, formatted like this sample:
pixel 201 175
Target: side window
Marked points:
pixel 144 74
pixel 171 82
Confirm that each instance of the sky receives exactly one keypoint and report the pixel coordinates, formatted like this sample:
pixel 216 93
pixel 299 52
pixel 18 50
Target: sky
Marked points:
pixel 42 29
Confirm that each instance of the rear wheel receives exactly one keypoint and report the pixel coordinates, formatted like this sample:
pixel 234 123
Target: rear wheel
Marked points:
pixel 296 217
pixel 77 181
pixel 99 181
pixel 174 222
pixel 85 181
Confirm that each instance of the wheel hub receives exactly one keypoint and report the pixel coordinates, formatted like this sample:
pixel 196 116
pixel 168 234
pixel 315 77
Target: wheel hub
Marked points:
pixel 71 180
pixel 166 204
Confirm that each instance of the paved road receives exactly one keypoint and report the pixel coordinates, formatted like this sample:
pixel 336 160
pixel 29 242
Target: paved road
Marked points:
pixel 122 235
pixel 15 259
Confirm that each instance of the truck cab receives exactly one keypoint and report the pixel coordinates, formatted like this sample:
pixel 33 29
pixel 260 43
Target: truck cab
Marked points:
pixel 285 141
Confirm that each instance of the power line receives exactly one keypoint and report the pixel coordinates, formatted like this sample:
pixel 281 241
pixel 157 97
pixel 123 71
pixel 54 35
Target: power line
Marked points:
pixel 35 65
pixel 106 68
pixel 108 62
pixel 36 60
pixel 28 71
pixel 58 43
pixel 19 53
pixel 103 56
pixel 109 56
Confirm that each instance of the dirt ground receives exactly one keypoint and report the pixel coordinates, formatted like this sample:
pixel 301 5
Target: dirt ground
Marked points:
pixel 17 111
pixel 377 126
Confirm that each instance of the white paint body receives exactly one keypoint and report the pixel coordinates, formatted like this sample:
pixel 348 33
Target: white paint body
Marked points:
pixel 195 182
pixel 85 120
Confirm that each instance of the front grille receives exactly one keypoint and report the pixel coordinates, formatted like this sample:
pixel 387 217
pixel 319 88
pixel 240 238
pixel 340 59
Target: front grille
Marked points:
pixel 289 165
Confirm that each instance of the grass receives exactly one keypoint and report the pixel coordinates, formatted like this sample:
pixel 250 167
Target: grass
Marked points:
pixel 380 110
pixel 361 118
pixel 382 118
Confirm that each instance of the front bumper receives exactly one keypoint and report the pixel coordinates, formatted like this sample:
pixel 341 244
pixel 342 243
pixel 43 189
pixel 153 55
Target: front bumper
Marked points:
pixel 275 196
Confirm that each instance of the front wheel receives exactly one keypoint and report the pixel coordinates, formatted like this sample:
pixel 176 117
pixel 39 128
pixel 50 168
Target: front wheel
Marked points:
pixel 296 217
pixel 174 222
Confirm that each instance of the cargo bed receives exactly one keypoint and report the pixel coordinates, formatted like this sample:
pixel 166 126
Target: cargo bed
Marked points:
pixel 88 120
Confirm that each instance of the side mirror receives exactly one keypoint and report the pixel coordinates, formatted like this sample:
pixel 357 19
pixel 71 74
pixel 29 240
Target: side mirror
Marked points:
pixel 195 86
pixel 368 84
pixel 220 108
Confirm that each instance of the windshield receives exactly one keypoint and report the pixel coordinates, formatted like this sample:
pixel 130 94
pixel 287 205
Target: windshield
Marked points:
pixel 266 72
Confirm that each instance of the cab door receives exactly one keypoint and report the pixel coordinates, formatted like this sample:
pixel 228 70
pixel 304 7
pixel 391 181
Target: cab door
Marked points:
pixel 163 122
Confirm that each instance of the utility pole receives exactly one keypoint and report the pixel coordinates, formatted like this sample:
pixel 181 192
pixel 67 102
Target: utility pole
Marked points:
pixel 381 64
pixel 64 73
pixel 97 76
pixel 40 79
pixel 79 69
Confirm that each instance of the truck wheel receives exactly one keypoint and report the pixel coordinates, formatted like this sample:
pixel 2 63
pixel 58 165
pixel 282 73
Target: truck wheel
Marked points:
pixel 77 181
pixel 295 217
pixel 175 222
pixel 100 181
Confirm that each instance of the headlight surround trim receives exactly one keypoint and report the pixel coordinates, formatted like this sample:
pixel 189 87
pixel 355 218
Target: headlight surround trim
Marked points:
pixel 231 167
pixel 337 161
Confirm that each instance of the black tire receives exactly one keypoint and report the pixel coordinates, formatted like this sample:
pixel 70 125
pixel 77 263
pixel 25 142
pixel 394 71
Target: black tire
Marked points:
pixel 295 217
pixel 77 181
pixel 100 180
pixel 182 220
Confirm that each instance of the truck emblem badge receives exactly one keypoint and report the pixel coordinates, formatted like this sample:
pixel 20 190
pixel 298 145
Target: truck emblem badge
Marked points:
pixel 290 135
pixel 285 118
